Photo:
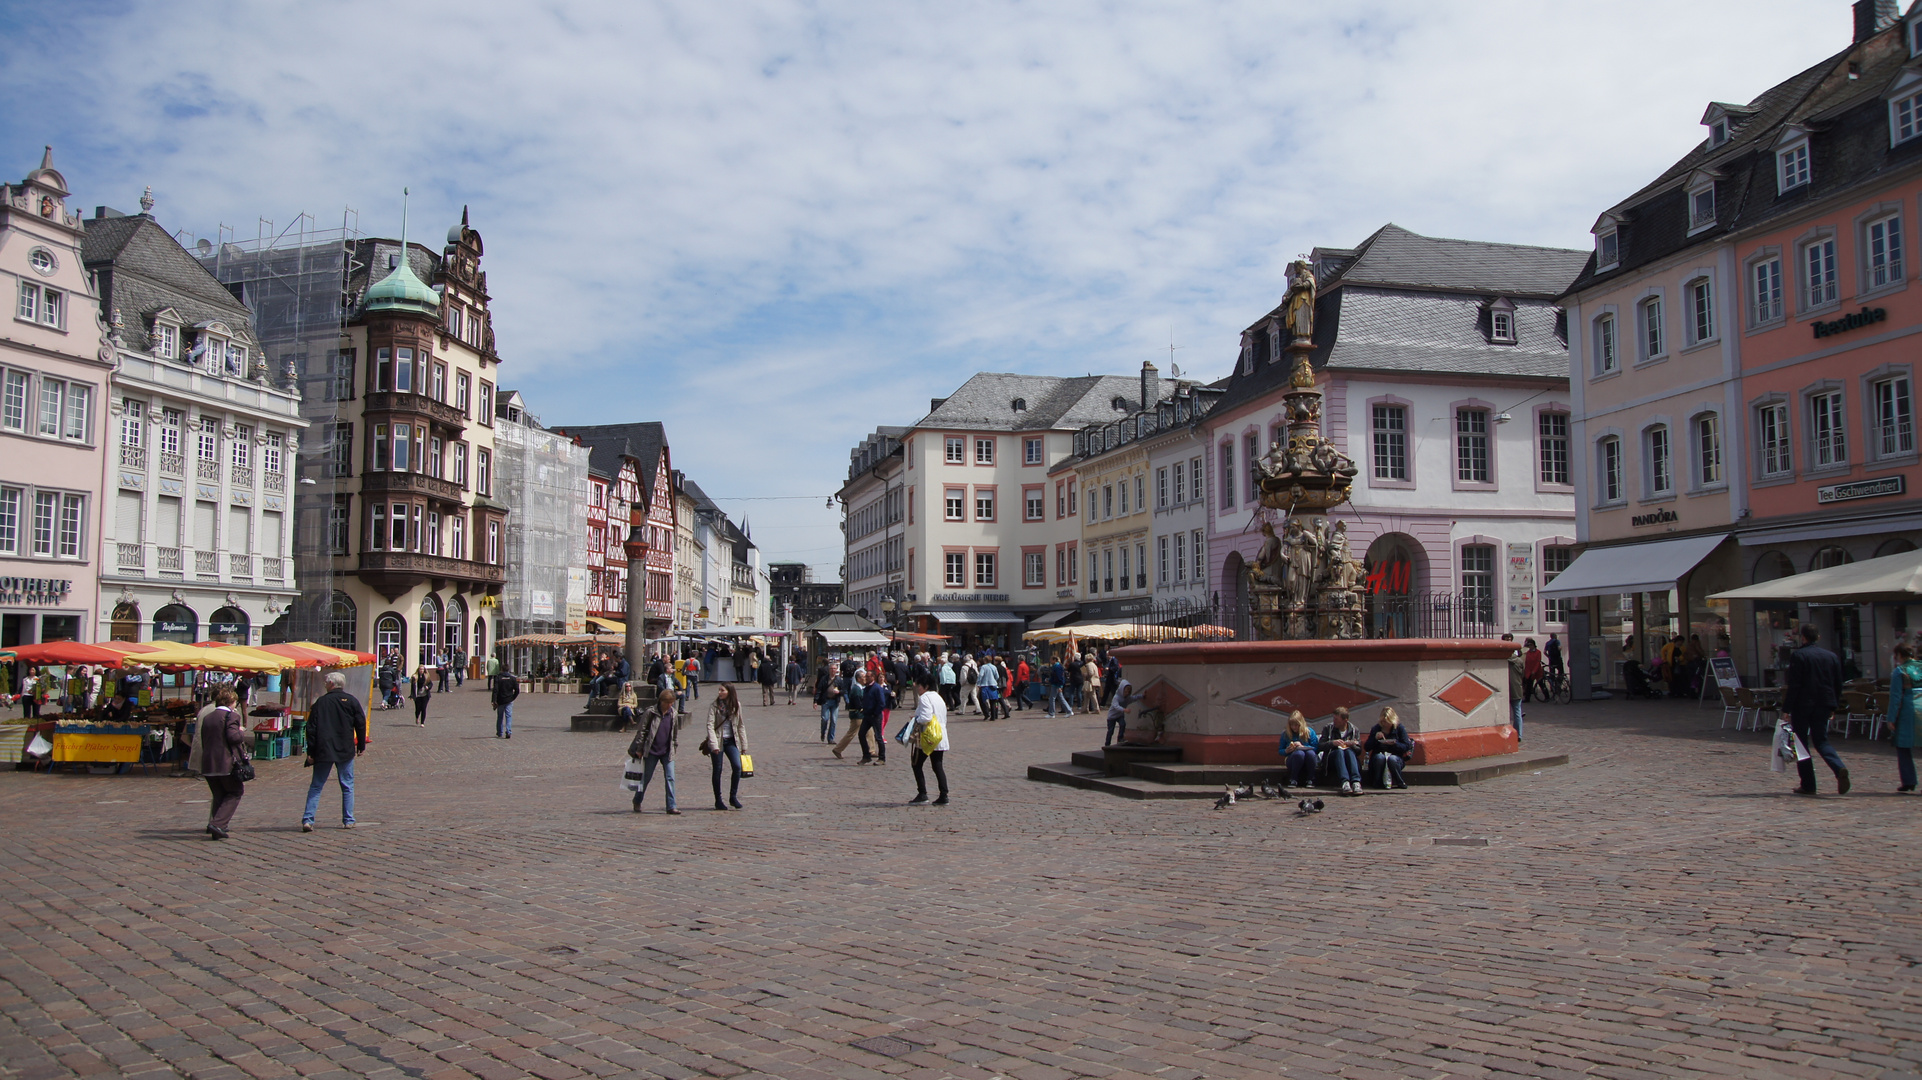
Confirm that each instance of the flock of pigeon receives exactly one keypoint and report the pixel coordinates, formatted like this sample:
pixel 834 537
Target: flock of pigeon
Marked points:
pixel 1265 790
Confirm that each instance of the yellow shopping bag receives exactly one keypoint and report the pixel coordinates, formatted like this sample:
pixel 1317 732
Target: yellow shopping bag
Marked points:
pixel 747 764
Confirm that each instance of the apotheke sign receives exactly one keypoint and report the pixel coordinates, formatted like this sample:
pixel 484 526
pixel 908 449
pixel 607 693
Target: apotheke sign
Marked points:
pixel 1862 489
pixel 33 590
pixel 1852 321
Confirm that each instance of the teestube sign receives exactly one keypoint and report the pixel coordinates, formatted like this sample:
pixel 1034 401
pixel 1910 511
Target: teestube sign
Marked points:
pixel 1852 321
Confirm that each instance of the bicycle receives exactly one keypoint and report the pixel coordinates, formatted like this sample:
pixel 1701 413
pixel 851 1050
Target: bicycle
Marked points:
pixel 1556 687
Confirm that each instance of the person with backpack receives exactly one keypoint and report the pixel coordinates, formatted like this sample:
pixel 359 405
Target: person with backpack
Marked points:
pixel 506 689
pixel 654 744
pixel 927 734
pixel 827 694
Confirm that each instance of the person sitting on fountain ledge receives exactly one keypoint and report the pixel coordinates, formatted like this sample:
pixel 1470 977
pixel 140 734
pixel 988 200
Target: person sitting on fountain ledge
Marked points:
pixel 1298 750
pixel 1388 748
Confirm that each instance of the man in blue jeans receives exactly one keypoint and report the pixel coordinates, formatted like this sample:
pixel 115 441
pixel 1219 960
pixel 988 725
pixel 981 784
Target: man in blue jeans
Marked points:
pixel 1057 689
pixel 336 735
pixel 1124 696
pixel 506 689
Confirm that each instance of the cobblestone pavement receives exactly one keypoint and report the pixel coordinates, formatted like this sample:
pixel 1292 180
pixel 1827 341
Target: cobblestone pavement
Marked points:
pixel 1660 907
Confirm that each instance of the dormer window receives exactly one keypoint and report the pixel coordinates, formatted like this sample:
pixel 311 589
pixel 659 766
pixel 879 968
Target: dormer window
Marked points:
pixel 1915 38
pixel 236 359
pixel 1701 207
pixel 1501 322
pixel 1717 133
pixel 1608 247
pixel 166 340
pixel 1020 404
pixel 1791 167
pixel 1905 116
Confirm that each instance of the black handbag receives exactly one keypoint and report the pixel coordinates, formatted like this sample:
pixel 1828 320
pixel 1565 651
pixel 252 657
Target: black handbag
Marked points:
pixel 243 770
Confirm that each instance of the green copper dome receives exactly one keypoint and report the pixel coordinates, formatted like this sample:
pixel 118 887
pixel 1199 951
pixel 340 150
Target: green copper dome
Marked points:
pixel 402 291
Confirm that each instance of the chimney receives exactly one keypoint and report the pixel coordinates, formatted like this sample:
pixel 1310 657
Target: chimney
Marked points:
pixel 1874 16
pixel 1150 384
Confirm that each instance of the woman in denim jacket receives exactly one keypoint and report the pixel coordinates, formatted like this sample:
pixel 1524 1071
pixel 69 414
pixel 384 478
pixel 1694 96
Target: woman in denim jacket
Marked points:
pixel 1340 743
pixel 1388 747
pixel 1298 750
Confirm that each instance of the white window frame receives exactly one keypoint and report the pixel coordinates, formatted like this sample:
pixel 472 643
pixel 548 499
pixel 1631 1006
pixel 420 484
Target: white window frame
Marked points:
pixel 1658 452
pixel 984 451
pixel 1609 484
pixel 1161 488
pixel 1697 219
pixel 955 449
pixel 1792 167
pixel 1650 329
pixel 18 402
pixel 1608 249
pixel 1701 310
pixel 1388 442
pixel 1766 295
pixel 984 570
pixel 1892 416
pixel 954 504
pixel 1819 272
pixel 166 340
pixel 1034 567
pixel 1608 344
pixel 984 504
pixel 1828 429
pixel 1774 440
pixel 1552 448
pixel 1705 433
pixel 1881 246
pixel 1031 450
pixel 1905 116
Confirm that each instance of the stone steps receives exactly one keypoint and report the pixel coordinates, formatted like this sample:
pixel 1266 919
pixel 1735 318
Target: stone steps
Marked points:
pixel 1156 772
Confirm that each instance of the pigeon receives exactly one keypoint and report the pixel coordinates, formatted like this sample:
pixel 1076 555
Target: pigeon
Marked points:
pixel 1310 806
pixel 1269 790
pixel 1227 798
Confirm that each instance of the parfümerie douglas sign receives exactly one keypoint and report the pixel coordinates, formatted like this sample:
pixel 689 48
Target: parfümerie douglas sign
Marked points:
pixel 1855 320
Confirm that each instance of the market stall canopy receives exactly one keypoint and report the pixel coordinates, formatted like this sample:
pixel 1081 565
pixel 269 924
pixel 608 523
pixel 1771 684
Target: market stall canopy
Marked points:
pixel 607 625
pixel 951 618
pixel 548 639
pixel 842 617
pixel 847 639
pixel 739 631
pixel 328 655
pixel 1889 579
pixel 1632 568
pixel 62 652
pixel 171 655
pixel 924 639
pixel 279 662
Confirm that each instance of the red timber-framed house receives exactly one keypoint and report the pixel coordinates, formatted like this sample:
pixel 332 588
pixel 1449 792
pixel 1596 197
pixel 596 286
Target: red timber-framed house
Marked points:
pixel 630 472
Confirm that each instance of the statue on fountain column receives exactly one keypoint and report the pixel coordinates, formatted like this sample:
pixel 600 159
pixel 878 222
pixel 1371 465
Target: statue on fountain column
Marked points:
pixel 1269 563
pixel 1298 309
pixel 1303 560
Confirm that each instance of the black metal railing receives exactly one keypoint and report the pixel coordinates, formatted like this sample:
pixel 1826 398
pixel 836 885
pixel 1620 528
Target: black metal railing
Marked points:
pixel 1441 614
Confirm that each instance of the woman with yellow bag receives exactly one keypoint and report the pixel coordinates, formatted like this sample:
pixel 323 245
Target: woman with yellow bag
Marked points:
pixel 726 739
pixel 927 733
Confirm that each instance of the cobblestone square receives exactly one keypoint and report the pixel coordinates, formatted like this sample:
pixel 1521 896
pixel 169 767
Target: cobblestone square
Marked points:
pixel 1660 907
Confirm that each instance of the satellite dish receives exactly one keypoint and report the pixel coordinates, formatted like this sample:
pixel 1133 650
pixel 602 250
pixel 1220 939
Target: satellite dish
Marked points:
pixel 1174 371
pixel 204 246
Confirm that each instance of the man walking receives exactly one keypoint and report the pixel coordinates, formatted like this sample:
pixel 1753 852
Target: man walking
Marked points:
pixel 1124 696
pixel 1517 687
pixel 794 673
pixel 1058 688
pixel 493 671
pixel 506 689
pixel 336 735
pixel 1813 689
pixel 767 682
pixel 858 699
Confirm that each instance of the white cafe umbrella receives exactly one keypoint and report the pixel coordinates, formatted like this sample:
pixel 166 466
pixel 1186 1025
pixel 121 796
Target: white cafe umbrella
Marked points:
pixel 1889 579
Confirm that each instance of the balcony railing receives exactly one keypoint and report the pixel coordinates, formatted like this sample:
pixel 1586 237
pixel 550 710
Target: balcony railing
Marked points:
pixel 207 470
pixel 273 569
pixel 173 464
pixel 273 481
pixel 408 562
pixel 207 562
pixel 417 404
pixel 133 457
pixel 243 477
pixel 169 558
pixel 240 566
pixel 133 556
pixel 430 486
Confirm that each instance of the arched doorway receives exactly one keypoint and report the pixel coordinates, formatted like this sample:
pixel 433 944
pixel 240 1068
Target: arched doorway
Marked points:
pixel 126 622
pixel 176 622
pixel 480 635
pixel 229 624
pixel 340 623
pixel 1395 568
pixel 430 630
pixel 390 639
pixel 456 623
pixel 1234 594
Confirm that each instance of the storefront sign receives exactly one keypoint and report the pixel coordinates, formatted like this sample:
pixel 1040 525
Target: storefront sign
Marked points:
pixel 225 628
pixel 1521 588
pixel 1659 517
pixel 1388 577
pixel 33 590
pixel 1862 489
pixel 1852 321
pixel 971 598
pixel 161 626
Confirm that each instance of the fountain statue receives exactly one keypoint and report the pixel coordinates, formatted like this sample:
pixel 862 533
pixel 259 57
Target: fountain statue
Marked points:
pixel 1303 584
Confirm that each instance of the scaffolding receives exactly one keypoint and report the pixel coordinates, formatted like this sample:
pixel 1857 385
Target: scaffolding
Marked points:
pixel 543 476
pixel 295 283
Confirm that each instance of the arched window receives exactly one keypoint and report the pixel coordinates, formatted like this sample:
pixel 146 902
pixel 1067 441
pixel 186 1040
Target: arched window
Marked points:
pixel 1830 556
pixel 340 622
pixel 126 622
pixel 1894 547
pixel 229 624
pixel 1772 566
pixel 430 629
pixel 390 639
pixel 480 635
pixel 456 624
pixel 176 622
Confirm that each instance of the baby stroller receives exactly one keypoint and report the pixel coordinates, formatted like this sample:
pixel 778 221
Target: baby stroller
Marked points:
pixel 1638 681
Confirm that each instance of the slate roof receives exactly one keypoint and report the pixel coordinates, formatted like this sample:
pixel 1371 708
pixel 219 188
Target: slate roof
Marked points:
pixel 1848 145
pixel 985 402
pixel 1403 302
pixel 143 270
pixel 645 442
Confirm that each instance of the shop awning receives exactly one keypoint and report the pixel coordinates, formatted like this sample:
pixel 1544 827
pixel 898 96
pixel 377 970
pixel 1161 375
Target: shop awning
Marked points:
pixel 853 639
pixel 950 618
pixel 1044 621
pixel 1632 568
pixel 1789 534
pixel 608 625
pixel 1890 579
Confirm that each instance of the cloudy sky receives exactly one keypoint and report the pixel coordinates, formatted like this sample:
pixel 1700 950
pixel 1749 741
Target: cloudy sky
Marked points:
pixel 777 225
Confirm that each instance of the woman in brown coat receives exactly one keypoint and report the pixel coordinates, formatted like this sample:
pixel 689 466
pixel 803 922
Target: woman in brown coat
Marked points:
pixel 219 745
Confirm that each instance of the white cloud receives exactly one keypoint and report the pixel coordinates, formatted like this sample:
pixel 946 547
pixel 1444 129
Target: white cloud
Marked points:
pixel 752 218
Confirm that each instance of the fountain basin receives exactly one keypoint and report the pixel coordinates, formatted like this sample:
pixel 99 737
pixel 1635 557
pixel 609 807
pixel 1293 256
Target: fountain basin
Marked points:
pixel 1227 702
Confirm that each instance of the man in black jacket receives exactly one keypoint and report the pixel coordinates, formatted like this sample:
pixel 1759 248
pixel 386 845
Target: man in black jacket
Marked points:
pixel 336 735
pixel 1813 690
pixel 506 689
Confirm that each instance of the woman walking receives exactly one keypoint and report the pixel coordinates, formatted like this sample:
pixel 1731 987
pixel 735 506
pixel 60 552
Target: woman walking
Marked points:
pixel 653 745
pixel 1905 686
pixel 423 692
pixel 927 733
pixel 219 746
pixel 726 738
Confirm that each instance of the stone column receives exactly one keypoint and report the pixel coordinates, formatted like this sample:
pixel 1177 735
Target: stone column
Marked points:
pixel 637 547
